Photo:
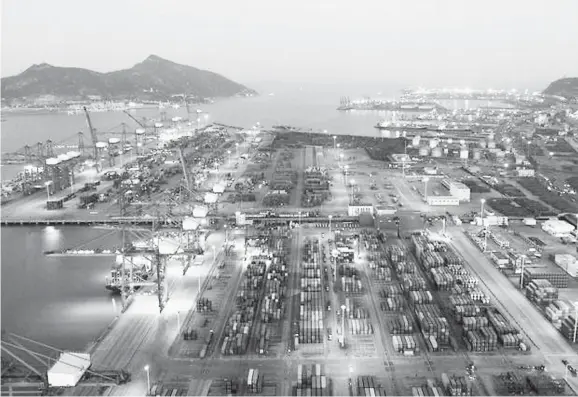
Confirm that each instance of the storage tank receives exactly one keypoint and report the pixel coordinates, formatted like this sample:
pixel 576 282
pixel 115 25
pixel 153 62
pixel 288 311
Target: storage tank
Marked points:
pixel 491 144
pixel 477 154
pixel 415 141
pixel 424 151
pixel 433 143
pixel 446 151
pixel 464 153
pixel 436 152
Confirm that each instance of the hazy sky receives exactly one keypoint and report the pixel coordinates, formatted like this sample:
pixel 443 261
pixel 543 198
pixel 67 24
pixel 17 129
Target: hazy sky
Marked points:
pixel 476 43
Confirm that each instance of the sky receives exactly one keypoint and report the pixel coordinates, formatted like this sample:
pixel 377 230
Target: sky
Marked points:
pixel 466 43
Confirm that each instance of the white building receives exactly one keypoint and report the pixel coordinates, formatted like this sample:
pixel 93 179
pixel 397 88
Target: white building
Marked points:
pixel 355 210
pixel 385 210
pixel 443 200
pixel 457 189
pixel 525 172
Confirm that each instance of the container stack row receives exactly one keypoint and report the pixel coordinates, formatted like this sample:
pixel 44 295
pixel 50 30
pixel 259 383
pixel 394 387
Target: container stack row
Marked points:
pixel 254 381
pixel 264 337
pixel 541 292
pixel 484 339
pixel 456 385
pixel 311 381
pixel 568 328
pixel 556 276
pixel 405 344
pixel 360 326
pixel 557 311
pixel 394 304
pixel 420 297
pixel 432 323
pixel 401 325
pixel 204 305
pixel 311 300
pixel 238 327
pixel 366 387
pixel 431 389
pixel 413 282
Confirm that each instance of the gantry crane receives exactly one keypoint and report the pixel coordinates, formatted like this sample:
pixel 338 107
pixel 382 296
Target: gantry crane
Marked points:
pixel 92 130
pixel 24 367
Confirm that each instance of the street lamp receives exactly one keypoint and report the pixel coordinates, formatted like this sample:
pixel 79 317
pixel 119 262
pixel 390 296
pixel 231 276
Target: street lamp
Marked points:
pixel 330 216
pixel 236 148
pixel 147 369
pixel 425 181
pixel 575 322
pixel 299 218
pixel 47 184
pixel 229 153
pixel 352 182
pixel 334 141
pixel 206 117
pixel 343 324
pixel 482 201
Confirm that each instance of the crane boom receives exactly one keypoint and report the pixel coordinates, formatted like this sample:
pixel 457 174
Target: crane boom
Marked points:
pixel 134 118
pixel 92 132
pixel 184 165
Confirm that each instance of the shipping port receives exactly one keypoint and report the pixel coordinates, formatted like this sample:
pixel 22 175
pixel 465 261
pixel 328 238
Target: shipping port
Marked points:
pixel 254 261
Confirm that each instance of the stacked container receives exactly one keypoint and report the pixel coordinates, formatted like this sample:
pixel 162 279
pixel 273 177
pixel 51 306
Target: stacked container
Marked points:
pixel 394 304
pixel 401 324
pixel 500 324
pixel 557 311
pixel 456 385
pixel 405 344
pixel 557 277
pixel 568 328
pixel 311 381
pixel 311 308
pixel 254 381
pixel 366 387
pixel 482 340
pixel 541 292
pixel 431 322
pixel 204 305
pixel 413 282
pixel 420 297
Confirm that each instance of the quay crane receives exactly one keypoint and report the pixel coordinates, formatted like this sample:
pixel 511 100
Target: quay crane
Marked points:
pixel 25 370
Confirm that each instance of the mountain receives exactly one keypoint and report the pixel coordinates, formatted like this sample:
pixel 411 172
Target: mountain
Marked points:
pixel 154 78
pixel 566 87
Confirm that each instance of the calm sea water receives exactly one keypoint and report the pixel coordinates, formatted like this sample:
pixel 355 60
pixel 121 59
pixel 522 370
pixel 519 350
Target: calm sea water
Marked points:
pixel 62 301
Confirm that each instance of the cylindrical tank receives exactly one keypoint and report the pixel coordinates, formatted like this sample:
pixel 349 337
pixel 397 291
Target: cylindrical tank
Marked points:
pixel 483 144
pixel 139 131
pixel 424 151
pixel 464 153
pixel 491 144
pixel 436 151
pixel 433 143
pixel 113 141
pixel 477 154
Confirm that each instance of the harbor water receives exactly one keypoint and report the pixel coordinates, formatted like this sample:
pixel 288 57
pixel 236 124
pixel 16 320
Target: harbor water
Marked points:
pixel 62 301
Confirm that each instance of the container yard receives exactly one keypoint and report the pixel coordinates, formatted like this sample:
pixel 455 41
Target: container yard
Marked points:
pixel 312 303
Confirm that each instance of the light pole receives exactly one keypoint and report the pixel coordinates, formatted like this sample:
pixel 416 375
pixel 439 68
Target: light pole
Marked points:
pixel 206 118
pixel 482 201
pixel 334 142
pixel 178 321
pixel 214 254
pixel 330 224
pixel 522 276
pixel 343 325
pixel 575 322
pixel 346 167
pixel 229 153
pixel 299 213
pixel 352 182
pixel 147 370
pixel 47 184
pixel 425 181
pixel 341 155
pixel 236 148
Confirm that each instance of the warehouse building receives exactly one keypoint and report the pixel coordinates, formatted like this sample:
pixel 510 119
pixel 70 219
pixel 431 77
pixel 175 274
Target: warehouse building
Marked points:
pixel 557 228
pixel 457 189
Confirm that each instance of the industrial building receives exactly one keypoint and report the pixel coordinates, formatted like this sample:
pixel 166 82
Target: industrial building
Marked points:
pixel 381 210
pixel 355 210
pixel 457 189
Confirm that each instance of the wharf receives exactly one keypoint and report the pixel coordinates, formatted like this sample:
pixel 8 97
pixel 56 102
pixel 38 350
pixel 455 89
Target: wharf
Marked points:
pixel 172 222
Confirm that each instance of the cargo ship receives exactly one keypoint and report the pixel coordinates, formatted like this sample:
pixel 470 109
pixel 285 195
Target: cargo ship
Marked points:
pixel 423 127
pixel 397 106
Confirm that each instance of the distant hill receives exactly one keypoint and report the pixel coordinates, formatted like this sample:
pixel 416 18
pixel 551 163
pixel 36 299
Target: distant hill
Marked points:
pixel 566 87
pixel 154 79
